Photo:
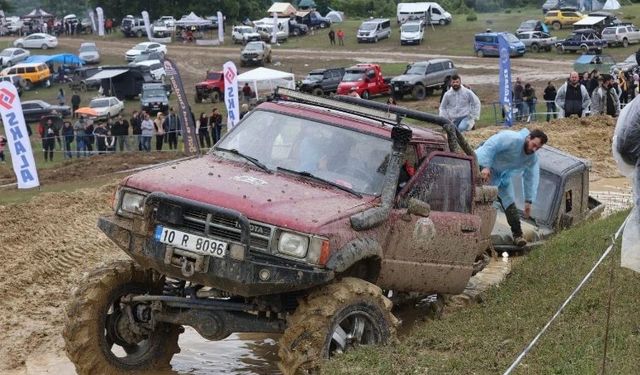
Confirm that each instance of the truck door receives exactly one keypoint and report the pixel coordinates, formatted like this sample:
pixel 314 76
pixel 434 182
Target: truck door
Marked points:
pixel 433 250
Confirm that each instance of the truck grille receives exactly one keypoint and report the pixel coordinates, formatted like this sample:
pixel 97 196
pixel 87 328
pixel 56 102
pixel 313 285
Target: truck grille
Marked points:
pixel 227 229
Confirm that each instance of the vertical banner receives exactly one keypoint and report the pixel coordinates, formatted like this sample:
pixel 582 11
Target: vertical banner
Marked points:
pixel 505 80
pixel 100 14
pixel 220 27
pixel 15 129
pixel 94 25
pixel 231 94
pixel 147 24
pixel 189 135
pixel 274 33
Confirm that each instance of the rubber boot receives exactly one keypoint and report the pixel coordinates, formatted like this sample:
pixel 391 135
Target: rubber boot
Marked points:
pixel 513 218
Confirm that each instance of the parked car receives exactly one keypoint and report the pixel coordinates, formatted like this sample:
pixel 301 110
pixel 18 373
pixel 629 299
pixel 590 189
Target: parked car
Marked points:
pixel 411 32
pixel 12 56
pixel 296 28
pixel 89 53
pixel 154 98
pixel 421 78
pixel 487 44
pixel 628 64
pixel 621 35
pixel 33 73
pixel 145 47
pixel 590 61
pixel 105 107
pixel 244 34
pixel 211 88
pixel 537 41
pixel 266 32
pixel 584 40
pixel 531 25
pixel 255 53
pixel 133 26
pixel 322 81
pixel 313 19
pixel 34 109
pixel 156 68
pixel 37 40
pixel 81 79
pixel 373 30
pixel 364 79
pixel 168 21
pixel 148 56
pixel 558 18
pixel 16 80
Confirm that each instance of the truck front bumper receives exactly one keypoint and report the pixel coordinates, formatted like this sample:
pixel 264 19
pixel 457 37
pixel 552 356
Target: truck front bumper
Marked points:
pixel 256 275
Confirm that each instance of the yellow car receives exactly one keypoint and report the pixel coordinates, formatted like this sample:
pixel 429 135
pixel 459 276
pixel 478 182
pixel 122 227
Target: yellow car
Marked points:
pixel 559 18
pixel 33 73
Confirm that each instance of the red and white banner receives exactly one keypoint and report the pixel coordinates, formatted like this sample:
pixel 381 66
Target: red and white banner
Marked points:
pixel 231 94
pixel 15 129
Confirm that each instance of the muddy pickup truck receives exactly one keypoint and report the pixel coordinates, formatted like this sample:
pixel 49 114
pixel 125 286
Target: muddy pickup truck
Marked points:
pixel 421 78
pixel 563 201
pixel 293 223
pixel 537 41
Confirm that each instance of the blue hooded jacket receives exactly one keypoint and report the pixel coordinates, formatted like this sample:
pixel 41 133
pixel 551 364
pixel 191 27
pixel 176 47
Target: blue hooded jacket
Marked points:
pixel 504 154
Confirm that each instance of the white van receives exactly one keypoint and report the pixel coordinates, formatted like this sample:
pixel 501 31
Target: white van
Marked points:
pixel 430 13
pixel 411 32
pixel 374 30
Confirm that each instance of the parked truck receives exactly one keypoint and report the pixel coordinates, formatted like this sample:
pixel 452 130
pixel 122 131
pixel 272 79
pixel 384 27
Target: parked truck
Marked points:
pixel 364 79
pixel 421 78
pixel 294 223
pixel 211 88
pixel 322 81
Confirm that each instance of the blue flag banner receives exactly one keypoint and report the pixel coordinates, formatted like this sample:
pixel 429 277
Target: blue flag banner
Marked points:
pixel 505 81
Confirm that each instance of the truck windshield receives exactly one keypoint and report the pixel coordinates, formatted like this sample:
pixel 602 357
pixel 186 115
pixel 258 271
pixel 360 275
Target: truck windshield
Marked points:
pixel 214 76
pixel 353 75
pixel 351 159
pixel 154 93
pixel 416 69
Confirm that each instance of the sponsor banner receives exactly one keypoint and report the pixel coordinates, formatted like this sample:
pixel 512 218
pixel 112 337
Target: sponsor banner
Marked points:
pixel 220 28
pixel 147 24
pixel 274 32
pixel 100 14
pixel 15 129
pixel 505 80
pixel 231 94
pixel 94 26
pixel 189 135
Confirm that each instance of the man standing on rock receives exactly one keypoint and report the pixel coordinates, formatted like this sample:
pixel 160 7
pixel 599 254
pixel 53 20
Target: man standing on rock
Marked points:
pixel 572 97
pixel 508 154
pixel 460 105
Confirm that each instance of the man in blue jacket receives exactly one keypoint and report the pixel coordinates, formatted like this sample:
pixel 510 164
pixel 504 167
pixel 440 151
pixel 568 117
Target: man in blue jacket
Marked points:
pixel 508 154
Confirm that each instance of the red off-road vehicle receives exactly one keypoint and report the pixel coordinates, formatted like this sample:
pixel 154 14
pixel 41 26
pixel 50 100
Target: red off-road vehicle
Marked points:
pixel 294 223
pixel 211 88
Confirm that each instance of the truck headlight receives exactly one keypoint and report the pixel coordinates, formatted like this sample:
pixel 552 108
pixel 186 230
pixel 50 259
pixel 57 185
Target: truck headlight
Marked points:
pixel 131 203
pixel 293 244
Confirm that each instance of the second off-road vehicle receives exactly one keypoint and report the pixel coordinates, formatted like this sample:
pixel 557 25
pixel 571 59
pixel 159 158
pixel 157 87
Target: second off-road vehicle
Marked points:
pixel 421 78
pixel 211 88
pixel 322 81
pixel 255 53
pixel 293 223
pixel 154 99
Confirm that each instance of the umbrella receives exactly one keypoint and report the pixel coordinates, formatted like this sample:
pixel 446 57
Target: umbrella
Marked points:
pixel 86 111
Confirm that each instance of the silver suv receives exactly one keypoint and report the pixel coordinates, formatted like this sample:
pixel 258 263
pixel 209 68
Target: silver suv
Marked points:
pixel 621 35
pixel 422 77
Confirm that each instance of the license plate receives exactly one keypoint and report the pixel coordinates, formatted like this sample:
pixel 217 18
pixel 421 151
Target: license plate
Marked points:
pixel 191 242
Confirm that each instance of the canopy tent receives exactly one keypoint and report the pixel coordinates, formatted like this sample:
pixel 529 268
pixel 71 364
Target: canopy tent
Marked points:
pixel 282 9
pixel 335 16
pixel 306 4
pixel 107 74
pixel 611 5
pixel 192 19
pixel 63 58
pixel 38 13
pixel 264 80
pixel 588 21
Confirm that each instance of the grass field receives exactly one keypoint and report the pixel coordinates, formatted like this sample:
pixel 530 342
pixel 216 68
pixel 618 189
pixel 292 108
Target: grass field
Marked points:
pixel 487 337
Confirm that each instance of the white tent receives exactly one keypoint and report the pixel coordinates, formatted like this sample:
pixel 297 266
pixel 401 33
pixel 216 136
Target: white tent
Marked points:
pixel 192 19
pixel 611 5
pixel 263 80
pixel 335 16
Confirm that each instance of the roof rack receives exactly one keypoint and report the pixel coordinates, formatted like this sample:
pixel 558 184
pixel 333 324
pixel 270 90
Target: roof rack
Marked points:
pixel 389 114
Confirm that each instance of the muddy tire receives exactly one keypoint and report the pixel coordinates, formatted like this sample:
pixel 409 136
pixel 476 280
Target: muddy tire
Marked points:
pixel 556 25
pixel 317 91
pixel 480 53
pixel 365 95
pixel 215 96
pixel 198 98
pixel 333 319
pixel 535 48
pixel 625 42
pixel 95 322
pixel 419 92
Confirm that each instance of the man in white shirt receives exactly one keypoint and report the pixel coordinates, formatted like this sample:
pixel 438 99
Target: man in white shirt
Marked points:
pixel 460 105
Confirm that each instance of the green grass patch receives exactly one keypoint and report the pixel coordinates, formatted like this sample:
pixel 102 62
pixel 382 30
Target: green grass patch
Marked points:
pixel 485 338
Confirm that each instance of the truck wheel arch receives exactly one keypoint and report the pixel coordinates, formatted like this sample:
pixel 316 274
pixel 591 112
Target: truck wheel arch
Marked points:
pixel 350 257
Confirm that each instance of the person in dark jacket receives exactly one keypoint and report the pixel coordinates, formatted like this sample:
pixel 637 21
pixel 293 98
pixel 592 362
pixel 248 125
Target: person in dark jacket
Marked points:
pixel 68 135
pixel 48 139
pixel 120 131
pixel 173 126
pixel 136 129
pixel 215 122
pixel 549 98
pixel 75 103
pixel 89 138
pixel 100 132
pixel 203 131
pixel 572 97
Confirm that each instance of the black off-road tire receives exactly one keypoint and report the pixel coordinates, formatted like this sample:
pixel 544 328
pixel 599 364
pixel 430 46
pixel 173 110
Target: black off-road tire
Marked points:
pixel 139 33
pixel 198 98
pixel 535 48
pixel 93 303
pixel 625 42
pixel 365 95
pixel 419 92
pixel 317 91
pixel 556 25
pixel 215 96
pixel 309 335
